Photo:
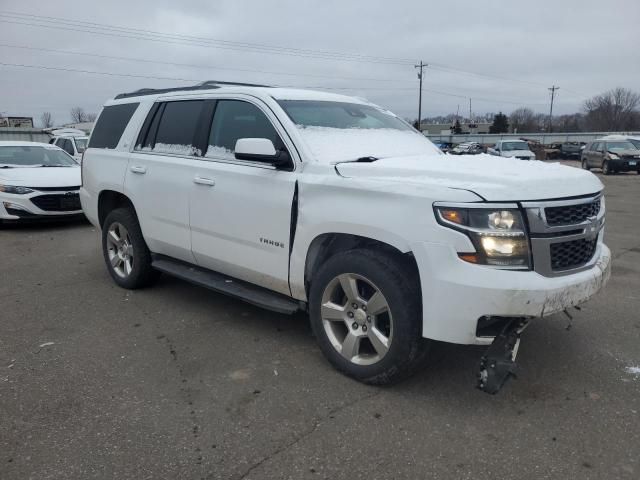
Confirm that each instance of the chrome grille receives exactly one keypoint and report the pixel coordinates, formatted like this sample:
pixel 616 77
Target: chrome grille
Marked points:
pixel 565 234
pixel 571 214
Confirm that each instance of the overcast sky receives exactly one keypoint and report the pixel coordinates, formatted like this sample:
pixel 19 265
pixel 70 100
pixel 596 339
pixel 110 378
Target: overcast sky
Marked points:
pixel 501 54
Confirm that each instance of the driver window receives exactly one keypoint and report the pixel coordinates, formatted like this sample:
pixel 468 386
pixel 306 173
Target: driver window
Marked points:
pixel 234 119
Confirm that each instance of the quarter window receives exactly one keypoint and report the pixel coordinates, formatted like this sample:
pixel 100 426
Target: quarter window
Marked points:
pixel 111 124
pixel 234 119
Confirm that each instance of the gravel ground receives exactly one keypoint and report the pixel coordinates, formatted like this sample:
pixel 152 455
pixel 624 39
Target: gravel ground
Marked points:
pixel 178 382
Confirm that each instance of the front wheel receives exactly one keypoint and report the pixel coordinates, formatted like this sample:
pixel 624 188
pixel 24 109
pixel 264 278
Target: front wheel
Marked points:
pixel 125 252
pixel 365 313
pixel 606 170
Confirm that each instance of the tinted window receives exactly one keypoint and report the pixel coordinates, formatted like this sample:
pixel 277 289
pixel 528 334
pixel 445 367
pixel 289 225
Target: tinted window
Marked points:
pixel 234 119
pixel 597 147
pixel 177 127
pixel 67 146
pixel 109 127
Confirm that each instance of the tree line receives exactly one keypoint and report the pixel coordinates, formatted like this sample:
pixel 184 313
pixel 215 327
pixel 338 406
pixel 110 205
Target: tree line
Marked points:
pixel 616 110
pixel 76 114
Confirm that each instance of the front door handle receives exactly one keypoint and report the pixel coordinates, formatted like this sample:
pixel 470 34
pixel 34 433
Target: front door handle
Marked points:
pixel 138 169
pixel 204 181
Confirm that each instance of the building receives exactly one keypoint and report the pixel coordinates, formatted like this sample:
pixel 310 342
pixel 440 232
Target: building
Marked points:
pixel 16 122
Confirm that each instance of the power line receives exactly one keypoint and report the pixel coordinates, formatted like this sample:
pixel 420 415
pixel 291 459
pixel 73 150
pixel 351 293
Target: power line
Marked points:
pixel 190 40
pixel 150 35
pixel 318 87
pixel 190 65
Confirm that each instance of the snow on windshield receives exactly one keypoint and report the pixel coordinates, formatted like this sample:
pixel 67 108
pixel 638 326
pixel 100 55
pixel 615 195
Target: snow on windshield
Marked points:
pixel 332 145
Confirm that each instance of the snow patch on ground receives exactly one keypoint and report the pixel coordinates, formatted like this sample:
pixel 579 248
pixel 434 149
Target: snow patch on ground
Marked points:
pixel 633 371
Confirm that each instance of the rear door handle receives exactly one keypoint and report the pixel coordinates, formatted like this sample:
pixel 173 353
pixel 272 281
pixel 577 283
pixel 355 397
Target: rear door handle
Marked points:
pixel 204 181
pixel 138 169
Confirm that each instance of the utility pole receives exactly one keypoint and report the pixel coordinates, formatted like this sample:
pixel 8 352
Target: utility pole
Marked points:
pixel 553 93
pixel 421 66
pixel 470 117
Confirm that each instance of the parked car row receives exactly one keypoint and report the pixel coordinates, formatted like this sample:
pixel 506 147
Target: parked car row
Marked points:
pixel 37 181
pixel 612 154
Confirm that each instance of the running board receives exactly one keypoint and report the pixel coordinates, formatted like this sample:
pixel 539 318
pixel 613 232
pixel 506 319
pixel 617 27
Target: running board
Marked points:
pixel 258 296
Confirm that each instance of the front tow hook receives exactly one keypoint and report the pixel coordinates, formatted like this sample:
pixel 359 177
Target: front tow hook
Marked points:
pixel 498 364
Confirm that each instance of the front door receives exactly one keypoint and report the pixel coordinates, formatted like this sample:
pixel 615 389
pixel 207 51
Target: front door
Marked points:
pixel 240 210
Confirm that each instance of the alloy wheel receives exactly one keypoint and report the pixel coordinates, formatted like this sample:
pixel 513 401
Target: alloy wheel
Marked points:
pixel 120 250
pixel 357 319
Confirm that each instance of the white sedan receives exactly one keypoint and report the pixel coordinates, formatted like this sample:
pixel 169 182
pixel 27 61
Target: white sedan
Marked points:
pixel 37 181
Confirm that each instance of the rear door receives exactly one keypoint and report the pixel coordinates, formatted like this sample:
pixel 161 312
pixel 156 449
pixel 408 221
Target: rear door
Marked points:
pixel 597 155
pixel 159 176
pixel 241 210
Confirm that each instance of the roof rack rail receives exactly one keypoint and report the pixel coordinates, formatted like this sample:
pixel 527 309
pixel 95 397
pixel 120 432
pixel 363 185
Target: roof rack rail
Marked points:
pixel 206 85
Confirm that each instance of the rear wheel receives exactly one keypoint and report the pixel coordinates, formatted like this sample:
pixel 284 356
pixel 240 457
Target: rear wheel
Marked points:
pixel 125 252
pixel 365 313
pixel 585 165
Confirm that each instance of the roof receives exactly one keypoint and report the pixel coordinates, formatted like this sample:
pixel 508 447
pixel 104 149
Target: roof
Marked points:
pixel 10 143
pixel 278 93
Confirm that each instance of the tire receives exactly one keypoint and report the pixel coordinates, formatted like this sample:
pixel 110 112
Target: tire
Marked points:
pixel 125 252
pixel 390 345
pixel 605 168
pixel 585 165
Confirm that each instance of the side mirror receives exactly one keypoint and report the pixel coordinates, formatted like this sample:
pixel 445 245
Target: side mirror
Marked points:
pixel 260 150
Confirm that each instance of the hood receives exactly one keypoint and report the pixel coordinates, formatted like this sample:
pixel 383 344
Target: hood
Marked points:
pixel 493 178
pixel 41 176
pixel 626 153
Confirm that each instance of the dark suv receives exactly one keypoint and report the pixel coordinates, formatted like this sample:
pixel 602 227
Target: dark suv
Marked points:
pixel 611 156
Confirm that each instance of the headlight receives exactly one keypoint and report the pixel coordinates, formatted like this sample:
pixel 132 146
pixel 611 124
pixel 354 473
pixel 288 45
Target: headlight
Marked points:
pixel 15 190
pixel 613 156
pixel 498 234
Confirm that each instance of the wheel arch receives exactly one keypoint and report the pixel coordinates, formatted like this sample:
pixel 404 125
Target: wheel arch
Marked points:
pixel 109 200
pixel 326 245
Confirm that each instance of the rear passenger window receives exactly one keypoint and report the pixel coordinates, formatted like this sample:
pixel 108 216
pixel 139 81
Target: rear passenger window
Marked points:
pixel 177 128
pixel 112 122
pixel 234 119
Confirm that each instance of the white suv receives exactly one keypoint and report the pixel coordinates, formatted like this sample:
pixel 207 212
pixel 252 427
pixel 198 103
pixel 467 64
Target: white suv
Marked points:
pixel 300 200
pixel 72 141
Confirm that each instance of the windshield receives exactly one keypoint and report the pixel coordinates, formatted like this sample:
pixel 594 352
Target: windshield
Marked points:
pixel 636 143
pixel 617 146
pixel 27 156
pixel 342 131
pixel 515 146
pixel 312 113
pixel 81 144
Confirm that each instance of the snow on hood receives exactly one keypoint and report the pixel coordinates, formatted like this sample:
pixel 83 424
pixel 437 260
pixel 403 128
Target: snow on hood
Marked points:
pixel 41 176
pixel 333 145
pixel 493 178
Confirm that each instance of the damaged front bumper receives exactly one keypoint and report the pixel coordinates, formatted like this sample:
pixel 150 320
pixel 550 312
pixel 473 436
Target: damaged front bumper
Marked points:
pixel 457 295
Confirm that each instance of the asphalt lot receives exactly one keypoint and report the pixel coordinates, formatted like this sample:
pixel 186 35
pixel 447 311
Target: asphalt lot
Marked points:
pixel 178 382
